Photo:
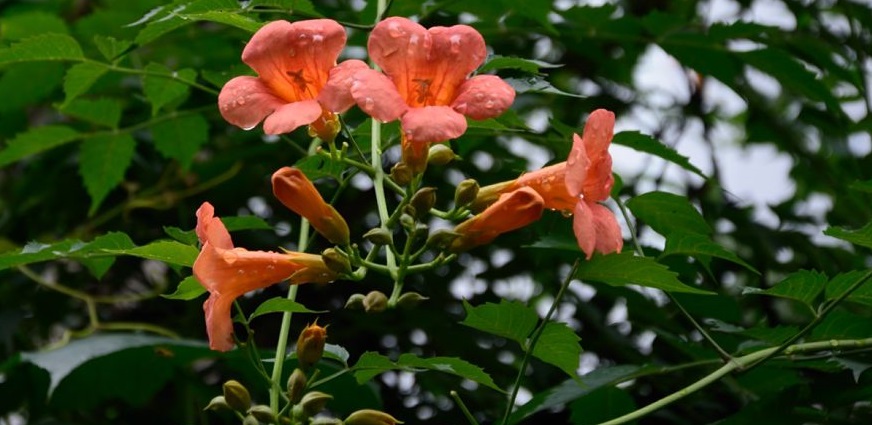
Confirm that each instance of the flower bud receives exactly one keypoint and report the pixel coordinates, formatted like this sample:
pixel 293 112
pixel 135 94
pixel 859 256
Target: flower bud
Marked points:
pixel 401 174
pixel 410 299
pixel 489 194
pixel 262 413
pixel 407 221
pixel 423 200
pixel 310 345
pixel 314 401
pixel 466 192
pixel 355 301
pixel 379 236
pixel 237 396
pixel 336 261
pixel 217 403
pixel 296 192
pixel 370 417
pixel 421 230
pixel 375 302
pixel 323 420
pixel 440 154
pixel 250 420
pixel 296 385
pixel 442 238
pixel 326 127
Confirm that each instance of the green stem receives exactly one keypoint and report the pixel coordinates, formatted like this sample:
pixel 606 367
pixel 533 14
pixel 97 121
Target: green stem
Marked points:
pixel 739 363
pixel 171 76
pixel 528 352
pixel 136 326
pixel 463 408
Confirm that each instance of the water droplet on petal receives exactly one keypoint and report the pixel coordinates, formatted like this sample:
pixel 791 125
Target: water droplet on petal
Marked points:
pixel 461 108
pixel 455 43
pixel 368 104
pixel 317 38
pixel 249 127
pixel 292 52
pixel 489 104
pixel 394 30
pixel 479 96
pixel 566 213
pixel 240 101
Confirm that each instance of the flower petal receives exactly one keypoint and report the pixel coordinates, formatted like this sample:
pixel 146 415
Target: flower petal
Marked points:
pixel 296 192
pixel 608 233
pixel 577 164
pixel 377 95
pixel 210 228
pixel 550 183
pixel 599 182
pixel 336 94
pixel 511 211
pixel 219 325
pixel 292 115
pixel 294 59
pixel 584 228
pixel 245 101
pixel 483 96
pixel 432 124
pixel 233 272
pixel 598 132
pixel 427 66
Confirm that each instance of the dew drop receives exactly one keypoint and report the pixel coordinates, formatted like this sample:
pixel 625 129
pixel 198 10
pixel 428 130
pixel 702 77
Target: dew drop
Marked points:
pixel 455 43
pixel 395 31
pixel 240 101
pixel 251 127
pixel 292 52
pixel 461 108
pixel 566 213
pixel 317 38
pixel 489 104
pixel 368 104
pixel 240 272
pixel 479 96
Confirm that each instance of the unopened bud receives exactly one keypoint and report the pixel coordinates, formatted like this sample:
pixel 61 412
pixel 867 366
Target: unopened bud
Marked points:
pixel 355 301
pixel 375 302
pixel 410 299
pixel 262 413
pixel 440 154
pixel 407 221
pixel 466 192
pixel 423 200
pixel 217 403
pixel 370 417
pixel 323 420
pixel 296 385
pixel 442 238
pixel 401 174
pixel 237 396
pixel 421 230
pixel 336 261
pixel 314 401
pixel 379 236
pixel 250 420
pixel 310 345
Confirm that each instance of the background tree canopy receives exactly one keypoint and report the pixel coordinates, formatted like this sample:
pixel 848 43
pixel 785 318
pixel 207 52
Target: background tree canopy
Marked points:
pixel 111 138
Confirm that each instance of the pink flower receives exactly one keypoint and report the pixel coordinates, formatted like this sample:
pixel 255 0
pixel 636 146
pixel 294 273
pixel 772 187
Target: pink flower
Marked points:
pixel 293 62
pixel 426 82
pixel 228 272
pixel 578 185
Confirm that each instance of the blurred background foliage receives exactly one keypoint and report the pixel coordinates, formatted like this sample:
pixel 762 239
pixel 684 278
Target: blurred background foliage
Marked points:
pixel 111 144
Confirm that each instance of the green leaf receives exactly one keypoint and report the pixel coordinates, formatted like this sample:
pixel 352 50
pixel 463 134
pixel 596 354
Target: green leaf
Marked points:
pixel 862 236
pixel 558 345
pixel 170 252
pixel 317 167
pixel 370 364
pixel 36 140
pixel 228 18
pixel 667 213
pixel 857 368
pixel 245 222
pixel 100 265
pixel 537 85
pixel 645 143
pixel 154 30
pixel 526 65
pixel 25 85
pixel 304 6
pixel 105 112
pixel 188 289
pixel 102 163
pixel 46 47
pixel 573 389
pixel 187 237
pixel 508 319
pixel 844 281
pixel 695 244
pixel 181 138
pixel 601 405
pixel 626 269
pixel 703 54
pixel 280 305
pixel 839 324
pixel 80 77
pixel 23 25
pixel 803 286
pixel 110 47
pixel 791 74
pixel 163 87
pixel 35 252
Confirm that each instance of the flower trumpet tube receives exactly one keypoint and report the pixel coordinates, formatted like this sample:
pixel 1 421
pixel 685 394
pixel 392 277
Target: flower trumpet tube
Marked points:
pixel 228 272
pixel 511 211
pixel 296 74
pixel 297 192
pixel 426 83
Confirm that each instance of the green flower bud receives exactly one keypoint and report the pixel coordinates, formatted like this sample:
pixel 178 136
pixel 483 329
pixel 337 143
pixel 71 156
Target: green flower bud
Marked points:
pixel 407 221
pixel 442 238
pixel 314 401
pixel 410 299
pixel 466 192
pixel 423 200
pixel 440 154
pixel 262 413
pixel 370 417
pixel 379 236
pixel 375 302
pixel 217 403
pixel 250 420
pixel 325 421
pixel 296 385
pixel 336 261
pixel 237 396
pixel 401 174
pixel 310 345
pixel 355 301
